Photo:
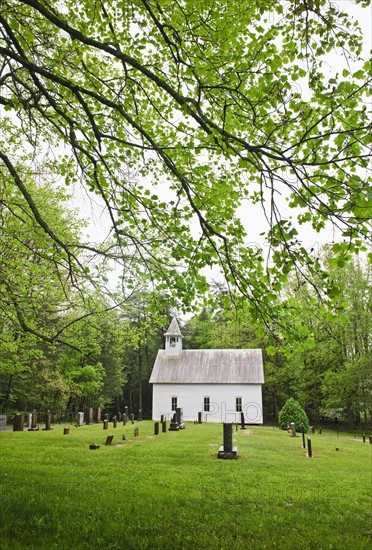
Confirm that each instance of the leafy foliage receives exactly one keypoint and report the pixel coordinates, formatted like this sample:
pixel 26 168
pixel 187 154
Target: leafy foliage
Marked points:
pixel 178 113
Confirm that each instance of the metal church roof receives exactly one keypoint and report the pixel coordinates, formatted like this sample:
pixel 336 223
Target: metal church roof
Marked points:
pixel 211 366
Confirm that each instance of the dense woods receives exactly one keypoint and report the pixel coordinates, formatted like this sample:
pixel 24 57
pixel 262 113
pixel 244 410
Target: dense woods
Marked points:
pixel 179 118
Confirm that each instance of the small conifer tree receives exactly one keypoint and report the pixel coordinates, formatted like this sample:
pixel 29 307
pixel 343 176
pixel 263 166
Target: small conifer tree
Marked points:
pixel 293 412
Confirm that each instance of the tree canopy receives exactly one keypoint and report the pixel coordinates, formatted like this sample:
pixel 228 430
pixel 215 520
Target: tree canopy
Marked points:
pixel 178 113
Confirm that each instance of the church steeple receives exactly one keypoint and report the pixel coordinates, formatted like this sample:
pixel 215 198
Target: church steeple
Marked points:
pixel 173 339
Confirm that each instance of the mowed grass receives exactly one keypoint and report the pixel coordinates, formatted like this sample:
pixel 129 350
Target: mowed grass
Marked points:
pixel 171 491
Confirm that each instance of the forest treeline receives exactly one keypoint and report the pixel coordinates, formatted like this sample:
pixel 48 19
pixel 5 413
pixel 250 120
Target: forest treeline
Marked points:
pixel 65 347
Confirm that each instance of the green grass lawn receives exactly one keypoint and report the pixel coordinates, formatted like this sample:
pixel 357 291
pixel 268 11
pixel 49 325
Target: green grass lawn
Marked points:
pixel 171 492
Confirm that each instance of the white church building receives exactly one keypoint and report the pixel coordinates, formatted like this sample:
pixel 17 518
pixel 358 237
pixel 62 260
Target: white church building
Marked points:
pixel 219 383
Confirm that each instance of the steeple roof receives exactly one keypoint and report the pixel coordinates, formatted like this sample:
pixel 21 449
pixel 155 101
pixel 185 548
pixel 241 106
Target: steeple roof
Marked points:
pixel 173 329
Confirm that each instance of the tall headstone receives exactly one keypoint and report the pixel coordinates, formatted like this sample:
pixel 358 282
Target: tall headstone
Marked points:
pixel 132 418
pixel 97 415
pixel 18 424
pixel 162 418
pixel 179 416
pixel 293 429
pixel 90 416
pixel 34 426
pixel 48 421
pixel 126 411
pixel 200 421
pixel 156 428
pixel 174 425
pixel 80 419
pixel 140 415
pixel 227 450
pixel 105 424
pixel 114 421
pixel 136 432
pixel 164 426
pixel 124 419
pixel 242 421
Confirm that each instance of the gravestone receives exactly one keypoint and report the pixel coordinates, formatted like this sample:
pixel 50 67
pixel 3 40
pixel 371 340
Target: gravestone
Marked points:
pixel 66 431
pixel 174 425
pixel 94 446
pixel 109 439
pixel 90 416
pixel 227 450
pixel 136 432
pixel 105 424
pixel 293 429
pixel 18 424
pixel 164 426
pixel 179 415
pixel 124 419
pixel 80 419
pixel 132 418
pixel 120 416
pixel 3 422
pixel 48 421
pixel 30 420
pixel 114 421
pixel 34 427
pixel 126 411
pixel 162 418
pixel 242 421
pixel 309 448
pixel 97 415
pixel 303 435
pixel 140 415
pixel 156 428
pixel 200 417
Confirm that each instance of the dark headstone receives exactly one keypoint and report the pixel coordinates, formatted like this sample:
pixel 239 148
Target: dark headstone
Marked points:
pixel 66 431
pixel 124 419
pixel 136 432
pixel 132 418
pixel 93 446
pixel 242 421
pixel 312 429
pixel 114 421
pixel 174 425
pixel 200 421
pixel 48 421
pixel 162 418
pixel 309 448
pixel 227 451
pixel 364 438
pixel 370 439
pixel 156 428
pixel 18 424
pixel 109 439
pixel 303 435
pixel 179 417
pixel 320 430
pixel 164 426
pixel 105 424
pixel 140 415
pixel 120 417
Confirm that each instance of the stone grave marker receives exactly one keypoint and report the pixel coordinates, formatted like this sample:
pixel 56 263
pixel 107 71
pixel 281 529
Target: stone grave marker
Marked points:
pixel 242 421
pixel 200 421
pixel 156 428
pixel 132 418
pixel 309 448
pixel 174 425
pixel 97 415
pixel 162 418
pixel 136 432
pixel 66 431
pixel 124 419
pixel 120 416
pixel 105 424
pixel 48 421
pixel 34 427
pixel 293 429
pixel 126 411
pixel 3 422
pixel 93 446
pixel 109 439
pixel 80 419
pixel 19 421
pixel 114 421
pixel 140 415
pixel 227 450
pixel 164 426
pixel 303 435
pixel 179 415
pixel 90 416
